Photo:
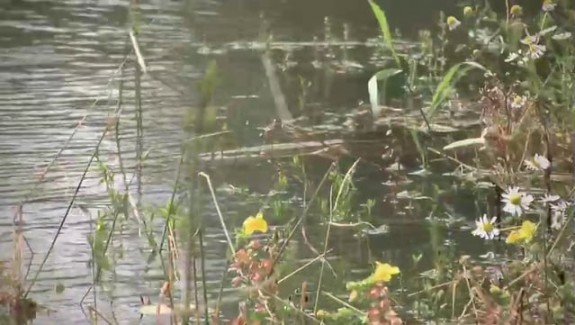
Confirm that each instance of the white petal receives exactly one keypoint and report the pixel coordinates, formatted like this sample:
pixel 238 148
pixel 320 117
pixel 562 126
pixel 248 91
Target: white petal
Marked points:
pixel 561 36
pixel 526 200
pixel 549 198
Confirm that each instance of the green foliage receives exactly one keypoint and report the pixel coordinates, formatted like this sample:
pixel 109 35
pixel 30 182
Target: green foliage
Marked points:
pixel 372 86
pixel 208 84
pixel 446 86
pixel 385 31
pixel 97 242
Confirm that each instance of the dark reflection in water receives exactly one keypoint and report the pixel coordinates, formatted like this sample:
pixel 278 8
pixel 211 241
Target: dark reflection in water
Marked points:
pixel 59 75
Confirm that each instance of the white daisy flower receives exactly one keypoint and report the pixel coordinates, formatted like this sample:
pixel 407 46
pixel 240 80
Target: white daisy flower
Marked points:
pixel 539 162
pixel 513 56
pixel 452 22
pixel 516 202
pixel 558 216
pixel 535 51
pixel 518 102
pixel 529 39
pixel 561 206
pixel 549 198
pixel 486 228
pixel 548 5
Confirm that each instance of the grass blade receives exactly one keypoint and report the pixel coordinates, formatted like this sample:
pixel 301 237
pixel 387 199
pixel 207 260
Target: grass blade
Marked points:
pixel 449 80
pixel 384 26
pixel 372 87
pixel 464 143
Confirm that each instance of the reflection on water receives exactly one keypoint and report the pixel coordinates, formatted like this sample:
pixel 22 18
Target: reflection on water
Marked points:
pixel 60 65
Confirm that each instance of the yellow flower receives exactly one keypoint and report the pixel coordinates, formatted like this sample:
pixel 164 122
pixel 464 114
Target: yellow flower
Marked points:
pixel 321 314
pixel 452 22
pixel 253 224
pixel 493 289
pixel 528 230
pixel 468 11
pixel 514 237
pixel 523 234
pixel 384 272
pixel 497 291
pixel 516 10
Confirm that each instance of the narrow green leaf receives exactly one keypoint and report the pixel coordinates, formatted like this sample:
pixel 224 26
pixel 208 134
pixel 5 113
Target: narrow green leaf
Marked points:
pixel 449 80
pixel 384 26
pixel 464 143
pixel 372 87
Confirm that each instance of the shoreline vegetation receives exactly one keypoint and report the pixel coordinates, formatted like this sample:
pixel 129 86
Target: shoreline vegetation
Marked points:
pixel 484 99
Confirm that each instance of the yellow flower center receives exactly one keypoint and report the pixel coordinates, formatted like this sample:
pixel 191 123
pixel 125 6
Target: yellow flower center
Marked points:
pixel 536 163
pixel 516 10
pixel 451 21
pixel 515 199
pixel 487 227
pixel 548 3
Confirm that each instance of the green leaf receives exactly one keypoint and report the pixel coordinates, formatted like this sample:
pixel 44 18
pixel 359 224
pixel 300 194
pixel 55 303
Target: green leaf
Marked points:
pixel 464 143
pixel 208 84
pixel 372 87
pixel 384 26
pixel 449 80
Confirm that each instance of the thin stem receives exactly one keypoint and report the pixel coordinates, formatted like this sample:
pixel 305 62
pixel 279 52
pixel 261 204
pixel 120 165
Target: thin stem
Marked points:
pixel 300 219
pixel 203 270
pixel 66 214
pixel 222 222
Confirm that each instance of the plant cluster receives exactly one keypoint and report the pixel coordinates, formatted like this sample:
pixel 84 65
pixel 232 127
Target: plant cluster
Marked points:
pixel 526 95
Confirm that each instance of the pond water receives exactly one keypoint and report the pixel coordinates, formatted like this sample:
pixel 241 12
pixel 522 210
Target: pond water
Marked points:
pixel 60 65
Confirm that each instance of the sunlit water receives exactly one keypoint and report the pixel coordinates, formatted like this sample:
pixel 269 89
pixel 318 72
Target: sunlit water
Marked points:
pixel 60 64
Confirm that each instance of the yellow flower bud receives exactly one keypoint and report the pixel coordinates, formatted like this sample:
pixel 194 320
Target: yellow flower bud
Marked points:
pixel 452 22
pixel 516 10
pixel 353 295
pixel 495 290
pixel 321 314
